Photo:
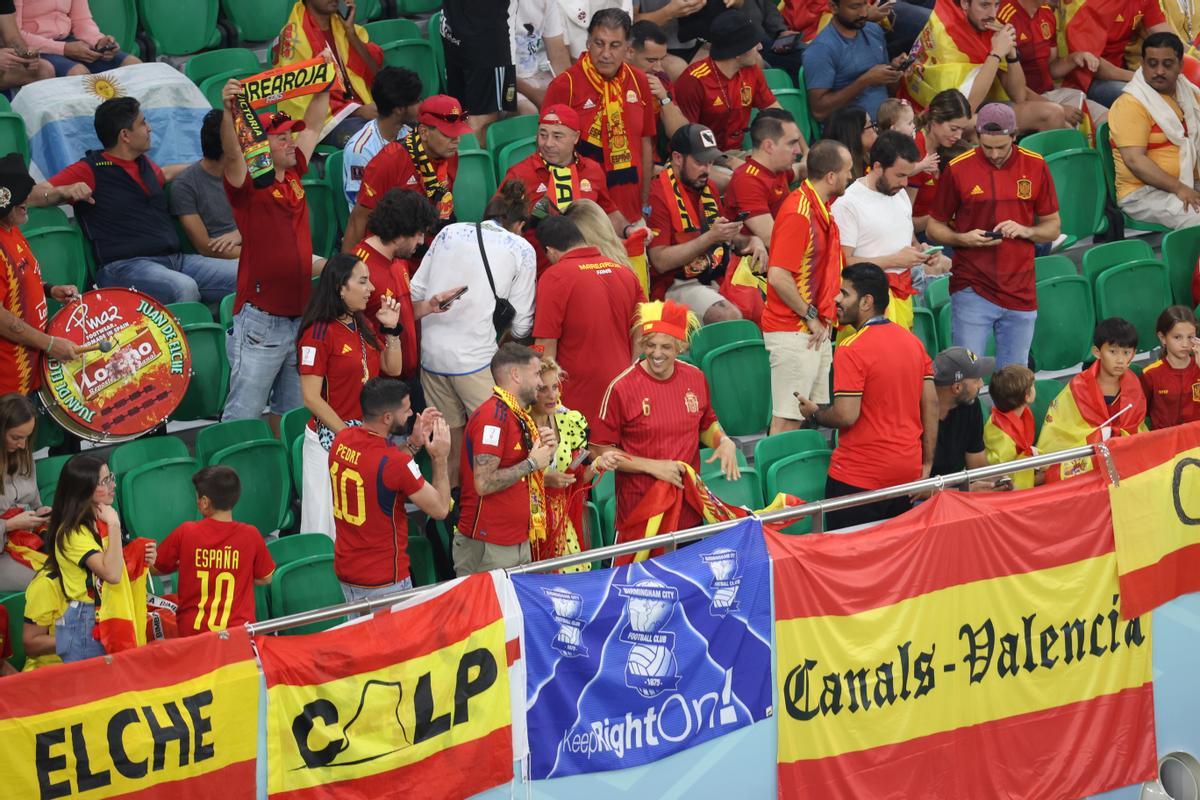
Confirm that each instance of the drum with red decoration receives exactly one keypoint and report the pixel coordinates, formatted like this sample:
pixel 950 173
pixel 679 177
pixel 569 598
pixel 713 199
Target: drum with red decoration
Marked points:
pixel 135 371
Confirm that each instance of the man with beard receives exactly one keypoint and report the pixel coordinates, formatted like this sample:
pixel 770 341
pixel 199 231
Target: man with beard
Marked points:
pixel 1156 138
pixel 847 63
pixel 370 555
pixel 874 218
pixel 884 403
pixel 693 234
pixel 802 280
pixel 957 377
pixel 503 488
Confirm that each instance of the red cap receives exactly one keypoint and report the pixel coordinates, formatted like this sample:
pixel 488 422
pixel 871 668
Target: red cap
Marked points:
pixel 560 115
pixel 443 112
pixel 279 122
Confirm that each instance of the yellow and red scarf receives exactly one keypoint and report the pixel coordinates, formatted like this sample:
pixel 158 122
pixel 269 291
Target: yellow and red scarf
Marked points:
pixel 435 178
pixel 685 219
pixel 537 481
pixel 564 183
pixel 607 131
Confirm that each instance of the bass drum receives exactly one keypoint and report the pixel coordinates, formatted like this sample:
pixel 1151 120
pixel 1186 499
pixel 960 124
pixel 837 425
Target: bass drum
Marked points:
pixel 120 394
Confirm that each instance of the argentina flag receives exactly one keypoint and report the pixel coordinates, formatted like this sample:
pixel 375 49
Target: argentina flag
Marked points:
pixel 626 666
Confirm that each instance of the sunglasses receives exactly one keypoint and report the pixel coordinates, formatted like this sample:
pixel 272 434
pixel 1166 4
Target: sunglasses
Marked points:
pixel 448 117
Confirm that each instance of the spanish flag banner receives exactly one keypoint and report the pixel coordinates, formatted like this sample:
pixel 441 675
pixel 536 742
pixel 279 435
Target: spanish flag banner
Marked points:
pixel 1080 415
pixel 416 697
pixel 121 616
pixel 1156 516
pixel 948 55
pixel 177 720
pixel 969 649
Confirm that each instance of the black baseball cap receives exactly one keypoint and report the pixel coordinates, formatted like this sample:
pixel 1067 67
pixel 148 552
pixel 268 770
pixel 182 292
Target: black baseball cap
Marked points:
pixel 697 141
pixel 955 364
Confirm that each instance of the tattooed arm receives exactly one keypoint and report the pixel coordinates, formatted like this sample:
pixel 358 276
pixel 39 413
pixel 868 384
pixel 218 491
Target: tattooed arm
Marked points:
pixel 491 478
pixel 18 330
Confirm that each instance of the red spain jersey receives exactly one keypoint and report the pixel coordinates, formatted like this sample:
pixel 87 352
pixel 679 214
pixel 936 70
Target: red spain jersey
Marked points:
pixel 1173 395
pixel 587 303
pixel 501 517
pixel 924 182
pixel 652 418
pixel 806 243
pixel 1106 27
pixel 885 366
pixel 392 167
pixel 706 96
pixel 371 480
pixel 974 194
pixel 757 190
pixel 587 182
pixel 1037 36
pixel 218 563
pixel 391 279
pixel 22 295
pixel 665 222
pixel 344 359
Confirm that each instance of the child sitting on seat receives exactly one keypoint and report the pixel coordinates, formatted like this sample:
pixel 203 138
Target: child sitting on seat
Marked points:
pixel 1172 383
pixel 1008 434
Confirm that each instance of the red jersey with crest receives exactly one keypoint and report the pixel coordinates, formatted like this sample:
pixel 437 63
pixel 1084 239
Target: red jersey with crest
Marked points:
pixel 652 418
pixel 218 563
pixel 391 278
pixel 757 190
pixel 667 232
pixel 393 168
pixel 22 295
pixel 501 517
pixel 706 96
pixel 371 481
pixel 346 360
pixel 1172 394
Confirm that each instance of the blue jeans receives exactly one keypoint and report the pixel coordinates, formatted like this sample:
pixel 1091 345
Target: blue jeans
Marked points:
pixel 972 318
pixel 63 64
pixel 1105 92
pixel 73 633
pixel 355 593
pixel 262 364
pixel 176 278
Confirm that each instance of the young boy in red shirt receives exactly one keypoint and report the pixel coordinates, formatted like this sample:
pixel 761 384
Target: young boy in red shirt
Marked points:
pixel 219 561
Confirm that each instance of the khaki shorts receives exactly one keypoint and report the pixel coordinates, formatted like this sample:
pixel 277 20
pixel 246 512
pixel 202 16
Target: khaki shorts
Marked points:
pixel 796 368
pixel 472 556
pixel 695 295
pixel 457 396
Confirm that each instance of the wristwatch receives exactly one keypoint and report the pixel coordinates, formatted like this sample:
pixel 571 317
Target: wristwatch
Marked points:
pixel 666 101
pixel 811 314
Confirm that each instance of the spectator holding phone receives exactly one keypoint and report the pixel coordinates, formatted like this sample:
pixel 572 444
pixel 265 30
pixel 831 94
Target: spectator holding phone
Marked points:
pixel 847 63
pixel 68 38
pixel 21 507
pixel 19 63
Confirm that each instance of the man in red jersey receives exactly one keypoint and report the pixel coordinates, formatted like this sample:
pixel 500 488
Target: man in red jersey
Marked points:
pixel 694 236
pixel 720 90
pixel 276 264
pixel 372 479
pixel 616 110
pixel 649 54
pixel 23 315
pixel 586 305
pixel 219 561
pixel 1107 28
pixel 554 176
pixel 759 186
pixel 503 489
pixel 657 413
pixel 802 281
pixel 884 402
pixel 1036 27
pixel 426 160
pixel 396 228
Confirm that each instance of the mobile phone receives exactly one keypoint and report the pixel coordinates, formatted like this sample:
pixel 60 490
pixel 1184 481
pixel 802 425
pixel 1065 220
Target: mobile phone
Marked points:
pixel 445 304
pixel 936 249
pixel 993 234
pixel 579 459
pixel 1003 482
pixel 908 61
pixel 107 48
pixel 343 9
pixel 785 44
pixel 741 216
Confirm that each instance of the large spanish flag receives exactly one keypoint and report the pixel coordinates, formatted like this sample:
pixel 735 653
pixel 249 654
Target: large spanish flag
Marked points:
pixel 416 697
pixel 971 648
pixel 1156 516
pixel 175 721
pixel 948 55
pixel 1080 415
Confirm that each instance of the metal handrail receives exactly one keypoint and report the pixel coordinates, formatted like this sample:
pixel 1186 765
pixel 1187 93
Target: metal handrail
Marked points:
pixel 817 508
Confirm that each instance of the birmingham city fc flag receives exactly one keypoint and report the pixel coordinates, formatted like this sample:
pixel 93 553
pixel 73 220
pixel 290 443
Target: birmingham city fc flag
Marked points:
pixel 629 665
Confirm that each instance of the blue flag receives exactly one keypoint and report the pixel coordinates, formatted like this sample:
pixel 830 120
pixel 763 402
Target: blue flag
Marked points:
pixel 629 665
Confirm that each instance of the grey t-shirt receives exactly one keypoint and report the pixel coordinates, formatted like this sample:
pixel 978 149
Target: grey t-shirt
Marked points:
pixel 197 192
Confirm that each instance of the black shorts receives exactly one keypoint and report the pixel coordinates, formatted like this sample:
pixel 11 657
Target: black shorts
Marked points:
pixel 481 89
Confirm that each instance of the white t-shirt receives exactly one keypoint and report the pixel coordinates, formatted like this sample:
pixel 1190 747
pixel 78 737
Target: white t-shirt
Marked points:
pixel 536 20
pixel 462 340
pixel 576 14
pixel 873 223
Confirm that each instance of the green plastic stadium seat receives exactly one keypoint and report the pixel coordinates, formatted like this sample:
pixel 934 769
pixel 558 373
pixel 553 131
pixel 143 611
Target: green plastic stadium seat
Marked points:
pixel 158 497
pixel 707 469
pixel 214 62
pixel 265 462
pixel 262 603
pixel 474 185
pixel 411 7
pixel 47 432
pixel 1062 334
pixel 801 475
pixel 604 488
pixel 47 470
pixel 61 254
pixel 119 19
pixel 1047 142
pixel 937 292
pixel 180 29
pixel 608 518
pixel 1079 182
pixel 945 329
pixel 513 153
pixel 1137 291
pixel 206 391
pixel 770 449
pixel 1104 147
pixel 710 337
pixel 385 31
pixel 593 525
pixel 296 461
pixel 778 79
pixel 420 560
pixel 191 313
pixel 1180 249
pixel 129 456
pixel 292 425
pixel 417 55
pixel 434 36
pixel 1046 267
pixel 226 434
pixel 12 135
pixel 212 86
pixel 227 310
pixel 306 585
pixel 796 101
pixel 739 385
pixel 321 216
pixel 337 187
pixel 1102 256
pixel 925 328
pixel 14 604
pixel 746 491
pixel 1045 391
pixel 257 21
pixel 510 130
pixel 287 549
pixel 368 10
pixel 48 217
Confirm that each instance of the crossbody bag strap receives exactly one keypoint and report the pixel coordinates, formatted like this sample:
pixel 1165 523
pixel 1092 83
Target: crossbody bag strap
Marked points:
pixel 483 252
